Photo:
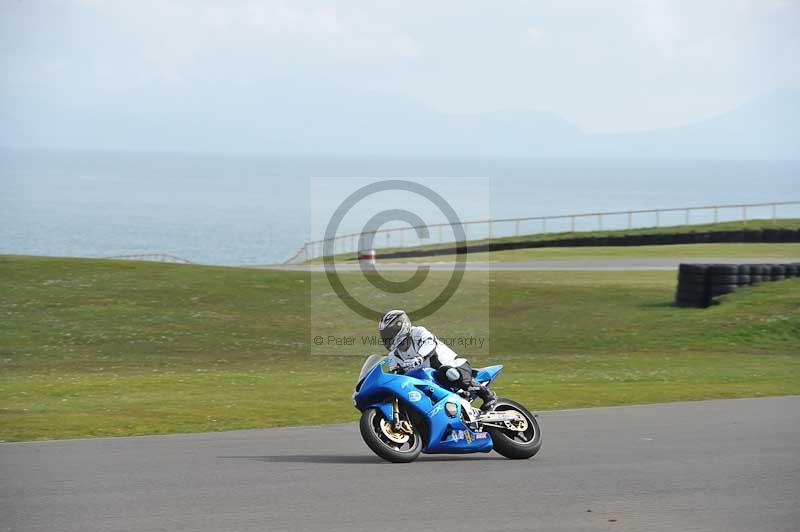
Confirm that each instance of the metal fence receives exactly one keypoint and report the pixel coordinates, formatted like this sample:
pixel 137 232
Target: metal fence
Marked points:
pixel 401 237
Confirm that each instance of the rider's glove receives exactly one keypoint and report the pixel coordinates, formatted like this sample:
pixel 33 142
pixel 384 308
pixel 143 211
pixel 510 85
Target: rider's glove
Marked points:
pixel 411 363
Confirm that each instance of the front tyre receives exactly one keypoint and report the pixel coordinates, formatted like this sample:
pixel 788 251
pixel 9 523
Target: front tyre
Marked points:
pixel 518 440
pixel 378 434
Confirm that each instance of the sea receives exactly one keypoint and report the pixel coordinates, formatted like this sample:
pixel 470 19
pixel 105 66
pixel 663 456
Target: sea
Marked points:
pixel 248 209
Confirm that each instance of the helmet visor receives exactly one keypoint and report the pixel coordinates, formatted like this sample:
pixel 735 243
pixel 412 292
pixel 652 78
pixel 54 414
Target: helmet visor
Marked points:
pixel 387 337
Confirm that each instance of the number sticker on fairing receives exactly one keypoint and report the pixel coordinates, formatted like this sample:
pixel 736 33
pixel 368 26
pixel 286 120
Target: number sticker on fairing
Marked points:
pixel 414 396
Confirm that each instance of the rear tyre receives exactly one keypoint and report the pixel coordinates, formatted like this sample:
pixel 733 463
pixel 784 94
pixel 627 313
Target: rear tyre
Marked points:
pixel 516 444
pixel 385 442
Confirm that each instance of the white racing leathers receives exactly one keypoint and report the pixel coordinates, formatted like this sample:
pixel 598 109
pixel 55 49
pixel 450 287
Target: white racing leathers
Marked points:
pixel 423 349
pixel 424 345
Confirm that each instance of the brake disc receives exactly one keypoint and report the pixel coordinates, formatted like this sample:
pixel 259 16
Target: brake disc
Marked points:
pixel 393 435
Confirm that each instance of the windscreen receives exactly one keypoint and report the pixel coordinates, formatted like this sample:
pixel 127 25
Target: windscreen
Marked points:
pixel 368 365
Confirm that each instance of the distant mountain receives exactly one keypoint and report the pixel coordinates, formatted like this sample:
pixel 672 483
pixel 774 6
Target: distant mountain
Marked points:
pixel 765 128
pixel 326 120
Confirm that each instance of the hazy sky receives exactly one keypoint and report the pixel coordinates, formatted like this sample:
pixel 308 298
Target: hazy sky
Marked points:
pixel 608 66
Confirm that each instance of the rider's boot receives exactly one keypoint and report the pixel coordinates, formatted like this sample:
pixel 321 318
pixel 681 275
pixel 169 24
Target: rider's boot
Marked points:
pixel 488 396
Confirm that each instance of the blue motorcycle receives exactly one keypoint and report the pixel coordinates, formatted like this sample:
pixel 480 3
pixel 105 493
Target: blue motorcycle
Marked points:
pixel 404 415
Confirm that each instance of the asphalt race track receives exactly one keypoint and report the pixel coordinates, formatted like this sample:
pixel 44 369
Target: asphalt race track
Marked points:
pixel 729 465
pixel 615 264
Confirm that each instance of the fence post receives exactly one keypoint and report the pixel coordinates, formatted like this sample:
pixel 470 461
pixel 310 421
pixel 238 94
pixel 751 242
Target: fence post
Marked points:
pixel 516 228
pixel 572 223
pixel 774 214
pixel 490 229
pixel 600 222
pixel 744 214
pixel 658 218
pixel 630 219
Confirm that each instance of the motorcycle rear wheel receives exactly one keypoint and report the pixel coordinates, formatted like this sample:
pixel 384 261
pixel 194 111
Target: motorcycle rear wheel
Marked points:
pixel 384 445
pixel 513 444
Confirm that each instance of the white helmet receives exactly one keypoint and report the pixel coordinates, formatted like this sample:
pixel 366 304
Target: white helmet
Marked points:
pixel 394 327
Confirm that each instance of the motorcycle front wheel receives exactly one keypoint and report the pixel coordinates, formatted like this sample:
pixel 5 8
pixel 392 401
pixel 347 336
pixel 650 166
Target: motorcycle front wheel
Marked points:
pixel 391 445
pixel 521 441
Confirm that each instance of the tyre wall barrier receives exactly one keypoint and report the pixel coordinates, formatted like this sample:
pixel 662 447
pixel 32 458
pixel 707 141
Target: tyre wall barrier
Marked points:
pixel 699 284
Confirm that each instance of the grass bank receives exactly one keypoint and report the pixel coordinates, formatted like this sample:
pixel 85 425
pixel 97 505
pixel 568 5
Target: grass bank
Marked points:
pixel 104 348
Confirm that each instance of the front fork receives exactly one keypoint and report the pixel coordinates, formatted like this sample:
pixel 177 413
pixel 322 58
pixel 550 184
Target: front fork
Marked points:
pixel 398 424
pixel 396 414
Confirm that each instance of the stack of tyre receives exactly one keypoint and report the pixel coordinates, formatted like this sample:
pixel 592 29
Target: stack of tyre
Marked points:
pixel 699 284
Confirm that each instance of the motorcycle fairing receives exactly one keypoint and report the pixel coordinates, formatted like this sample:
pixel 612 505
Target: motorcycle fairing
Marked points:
pixel 444 434
pixel 488 374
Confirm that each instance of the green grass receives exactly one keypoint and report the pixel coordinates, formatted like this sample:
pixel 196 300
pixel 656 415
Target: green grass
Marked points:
pixel 105 348
pixel 686 250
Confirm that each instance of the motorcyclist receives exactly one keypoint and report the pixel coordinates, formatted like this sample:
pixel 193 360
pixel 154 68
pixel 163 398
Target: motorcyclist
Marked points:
pixel 415 346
